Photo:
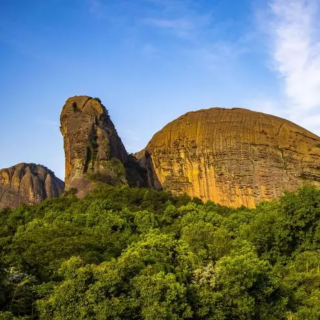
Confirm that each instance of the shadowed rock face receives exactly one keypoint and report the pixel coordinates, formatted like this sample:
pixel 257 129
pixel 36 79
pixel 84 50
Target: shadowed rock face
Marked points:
pixel 93 150
pixel 27 183
pixel 231 156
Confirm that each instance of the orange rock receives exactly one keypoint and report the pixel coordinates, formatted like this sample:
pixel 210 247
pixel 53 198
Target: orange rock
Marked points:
pixel 233 157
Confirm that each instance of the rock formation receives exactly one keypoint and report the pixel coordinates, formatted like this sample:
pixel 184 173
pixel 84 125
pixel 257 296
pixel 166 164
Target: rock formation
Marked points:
pixel 231 156
pixel 93 150
pixel 27 183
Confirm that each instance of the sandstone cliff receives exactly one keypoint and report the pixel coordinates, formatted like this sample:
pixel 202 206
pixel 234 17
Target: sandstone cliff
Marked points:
pixel 27 183
pixel 93 150
pixel 231 156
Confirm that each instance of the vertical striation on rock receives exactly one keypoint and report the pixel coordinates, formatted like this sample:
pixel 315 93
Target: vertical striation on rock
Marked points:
pixel 28 183
pixel 93 150
pixel 231 156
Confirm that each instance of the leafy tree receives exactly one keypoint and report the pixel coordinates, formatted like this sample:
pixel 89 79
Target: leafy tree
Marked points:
pixel 135 253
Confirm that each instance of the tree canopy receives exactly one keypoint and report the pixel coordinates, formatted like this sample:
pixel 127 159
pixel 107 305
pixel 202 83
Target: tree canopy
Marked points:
pixel 129 253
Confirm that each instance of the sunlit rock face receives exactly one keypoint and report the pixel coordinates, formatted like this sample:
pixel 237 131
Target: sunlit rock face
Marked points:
pixel 27 183
pixel 233 157
pixel 93 150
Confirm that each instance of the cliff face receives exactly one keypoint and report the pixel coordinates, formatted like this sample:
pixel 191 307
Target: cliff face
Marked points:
pixel 93 150
pixel 231 156
pixel 27 183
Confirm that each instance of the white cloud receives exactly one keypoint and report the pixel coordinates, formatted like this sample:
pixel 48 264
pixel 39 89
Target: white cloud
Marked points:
pixel 294 29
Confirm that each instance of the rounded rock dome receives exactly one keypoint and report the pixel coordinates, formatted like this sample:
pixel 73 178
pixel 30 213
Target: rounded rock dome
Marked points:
pixel 232 156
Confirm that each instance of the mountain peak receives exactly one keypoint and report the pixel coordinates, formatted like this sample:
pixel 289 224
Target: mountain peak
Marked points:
pixel 93 149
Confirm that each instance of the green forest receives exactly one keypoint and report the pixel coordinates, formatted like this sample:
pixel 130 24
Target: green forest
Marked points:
pixel 129 253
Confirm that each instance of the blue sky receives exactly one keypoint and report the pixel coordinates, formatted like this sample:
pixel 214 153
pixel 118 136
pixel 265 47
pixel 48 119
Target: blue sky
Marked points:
pixel 150 61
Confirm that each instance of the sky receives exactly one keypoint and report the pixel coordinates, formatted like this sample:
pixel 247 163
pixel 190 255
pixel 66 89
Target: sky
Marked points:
pixel 150 61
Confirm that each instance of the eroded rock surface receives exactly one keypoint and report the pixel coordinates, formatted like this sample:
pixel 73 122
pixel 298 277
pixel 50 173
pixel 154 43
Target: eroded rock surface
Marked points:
pixel 93 150
pixel 231 156
pixel 27 183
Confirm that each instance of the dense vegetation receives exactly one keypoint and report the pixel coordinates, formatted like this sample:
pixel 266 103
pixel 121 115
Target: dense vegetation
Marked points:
pixel 124 253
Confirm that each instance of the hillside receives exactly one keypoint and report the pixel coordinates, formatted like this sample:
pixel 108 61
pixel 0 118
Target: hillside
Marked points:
pixel 127 253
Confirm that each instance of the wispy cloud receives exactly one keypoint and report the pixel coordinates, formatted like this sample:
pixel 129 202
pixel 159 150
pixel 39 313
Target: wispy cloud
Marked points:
pixel 181 27
pixel 181 24
pixel 294 30
pixel 181 18
pixel 199 30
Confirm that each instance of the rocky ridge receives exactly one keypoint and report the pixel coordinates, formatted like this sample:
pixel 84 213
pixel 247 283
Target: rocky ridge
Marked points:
pixel 231 156
pixel 28 183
